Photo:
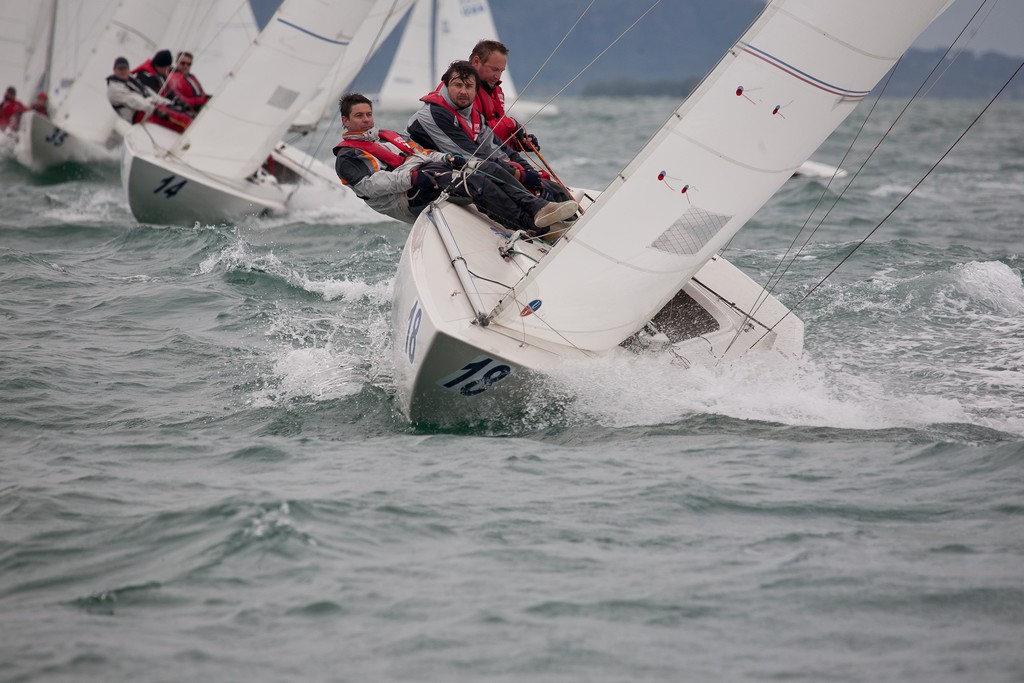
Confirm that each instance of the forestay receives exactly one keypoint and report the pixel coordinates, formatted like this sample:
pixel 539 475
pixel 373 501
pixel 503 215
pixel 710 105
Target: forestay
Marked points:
pixel 793 77
pixel 438 33
pixel 376 28
pixel 275 78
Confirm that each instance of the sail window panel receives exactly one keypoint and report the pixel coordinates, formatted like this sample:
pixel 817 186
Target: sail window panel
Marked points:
pixel 690 232
pixel 282 97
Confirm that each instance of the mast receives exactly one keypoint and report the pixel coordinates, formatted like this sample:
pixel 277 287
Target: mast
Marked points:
pixel 45 86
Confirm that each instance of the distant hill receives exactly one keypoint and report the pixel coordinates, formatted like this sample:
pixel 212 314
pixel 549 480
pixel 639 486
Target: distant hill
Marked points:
pixel 679 39
pixel 666 52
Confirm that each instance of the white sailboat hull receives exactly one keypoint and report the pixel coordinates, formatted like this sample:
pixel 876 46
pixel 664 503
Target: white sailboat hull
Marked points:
pixel 450 368
pixel 162 189
pixel 42 145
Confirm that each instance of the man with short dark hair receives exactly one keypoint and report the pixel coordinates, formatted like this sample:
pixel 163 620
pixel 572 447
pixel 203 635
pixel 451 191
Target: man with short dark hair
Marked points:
pixel 399 178
pixel 153 72
pixel 449 122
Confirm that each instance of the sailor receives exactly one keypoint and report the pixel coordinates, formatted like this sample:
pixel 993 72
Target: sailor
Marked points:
pixel 153 72
pixel 41 105
pixel 490 58
pixel 133 101
pixel 449 122
pixel 185 86
pixel 399 178
pixel 11 110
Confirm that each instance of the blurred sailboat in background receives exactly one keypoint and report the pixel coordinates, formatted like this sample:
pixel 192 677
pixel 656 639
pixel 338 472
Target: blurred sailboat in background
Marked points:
pixel 229 162
pixel 438 33
pixel 83 126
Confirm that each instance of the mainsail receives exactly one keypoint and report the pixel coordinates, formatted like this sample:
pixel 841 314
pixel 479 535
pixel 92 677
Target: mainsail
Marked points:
pixel 275 78
pixel 793 77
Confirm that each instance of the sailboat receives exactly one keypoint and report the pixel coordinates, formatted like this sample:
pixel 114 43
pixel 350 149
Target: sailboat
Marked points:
pixel 438 33
pixel 89 35
pixel 25 34
pixel 230 163
pixel 478 313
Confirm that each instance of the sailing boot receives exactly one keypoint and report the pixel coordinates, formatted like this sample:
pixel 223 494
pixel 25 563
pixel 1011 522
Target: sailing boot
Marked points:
pixel 554 212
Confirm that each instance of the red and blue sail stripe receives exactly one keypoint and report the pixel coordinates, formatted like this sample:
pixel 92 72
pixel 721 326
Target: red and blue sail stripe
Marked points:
pixel 802 75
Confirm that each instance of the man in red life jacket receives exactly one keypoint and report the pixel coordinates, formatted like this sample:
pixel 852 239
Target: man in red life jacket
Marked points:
pixel 41 105
pixel 153 72
pixel 134 102
pixel 11 110
pixel 399 178
pixel 185 86
pixel 448 122
pixel 490 58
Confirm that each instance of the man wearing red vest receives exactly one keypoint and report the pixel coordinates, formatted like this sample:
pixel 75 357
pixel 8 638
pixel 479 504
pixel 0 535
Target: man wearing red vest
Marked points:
pixel 399 178
pixel 11 109
pixel 185 86
pixel 489 58
pixel 448 122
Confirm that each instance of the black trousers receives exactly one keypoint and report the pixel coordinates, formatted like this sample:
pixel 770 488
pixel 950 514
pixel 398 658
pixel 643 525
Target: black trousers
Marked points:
pixel 494 190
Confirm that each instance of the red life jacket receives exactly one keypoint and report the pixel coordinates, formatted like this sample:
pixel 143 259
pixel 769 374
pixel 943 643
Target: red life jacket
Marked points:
pixel 471 129
pixel 379 151
pixel 491 103
pixel 187 88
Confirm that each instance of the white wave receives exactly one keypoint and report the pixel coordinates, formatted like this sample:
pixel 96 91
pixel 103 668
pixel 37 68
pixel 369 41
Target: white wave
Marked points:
pixel 350 290
pixel 646 390
pixel 319 204
pixel 98 205
pixel 317 373
pixel 993 284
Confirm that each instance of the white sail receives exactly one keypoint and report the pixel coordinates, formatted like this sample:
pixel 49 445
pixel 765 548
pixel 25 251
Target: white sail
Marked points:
pixel 24 40
pixel 411 74
pixel 375 30
pixel 79 25
pixel 438 33
pixel 135 32
pixel 792 78
pixel 460 25
pixel 275 78
pixel 217 37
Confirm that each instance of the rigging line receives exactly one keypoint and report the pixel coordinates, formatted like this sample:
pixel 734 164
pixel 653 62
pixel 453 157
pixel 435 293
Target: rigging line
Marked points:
pixel 536 73
pixel 599 55
pixel 900 203
pixel 769 288
pixel 581 71
pixel 374 46
pixel 776 275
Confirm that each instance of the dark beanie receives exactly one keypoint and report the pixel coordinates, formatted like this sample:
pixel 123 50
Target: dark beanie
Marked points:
pixel 163 58
pixel 120 61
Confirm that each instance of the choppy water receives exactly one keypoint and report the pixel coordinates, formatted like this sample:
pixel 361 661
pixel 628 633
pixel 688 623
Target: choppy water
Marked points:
pixel 204 476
